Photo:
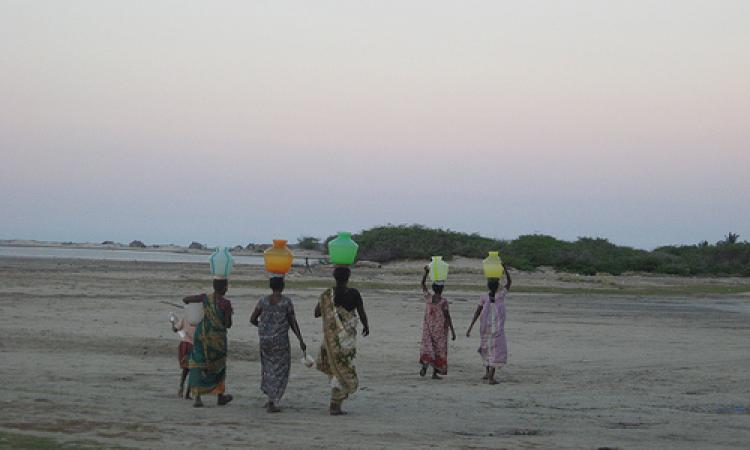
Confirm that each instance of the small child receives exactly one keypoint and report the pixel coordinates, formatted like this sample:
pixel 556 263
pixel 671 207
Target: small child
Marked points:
pixel 493 347
pixel 437 321
pixel 185 331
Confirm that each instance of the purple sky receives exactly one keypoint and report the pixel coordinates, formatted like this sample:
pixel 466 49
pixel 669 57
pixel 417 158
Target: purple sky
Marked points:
pixel 246 121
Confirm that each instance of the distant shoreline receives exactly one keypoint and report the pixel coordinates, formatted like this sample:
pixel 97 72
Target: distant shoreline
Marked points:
pixel 165 248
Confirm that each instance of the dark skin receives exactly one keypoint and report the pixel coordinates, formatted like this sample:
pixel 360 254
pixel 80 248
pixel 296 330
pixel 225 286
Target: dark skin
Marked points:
pixel 222 399
pixel 436 298
pixel 489 371
pixel 335 409
pixel 274 299
pixel 360 312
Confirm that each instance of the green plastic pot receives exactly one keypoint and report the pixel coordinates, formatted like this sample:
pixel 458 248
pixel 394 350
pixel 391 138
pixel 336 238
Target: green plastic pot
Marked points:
pixel 342 250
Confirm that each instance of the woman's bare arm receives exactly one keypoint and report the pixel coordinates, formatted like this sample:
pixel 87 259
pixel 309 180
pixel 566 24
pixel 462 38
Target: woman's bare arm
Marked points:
pixel 476 316
pixel 424 280
pixel 193 299
pixel 295 328
pixel 228 320
pixel 255 315
pixel 363 318
pixel 450 324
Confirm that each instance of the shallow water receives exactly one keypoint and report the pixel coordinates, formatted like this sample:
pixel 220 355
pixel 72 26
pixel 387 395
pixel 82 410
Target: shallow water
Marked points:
pixel 121 255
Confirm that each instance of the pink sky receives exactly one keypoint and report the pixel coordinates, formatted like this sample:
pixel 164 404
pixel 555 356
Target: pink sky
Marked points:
pixel 169 122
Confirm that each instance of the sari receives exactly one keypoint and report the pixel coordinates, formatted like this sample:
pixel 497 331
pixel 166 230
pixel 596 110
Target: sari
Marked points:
pixel 493 348
pixel 434 347
pixel 275 352
pixel 207 362
pixel 338 349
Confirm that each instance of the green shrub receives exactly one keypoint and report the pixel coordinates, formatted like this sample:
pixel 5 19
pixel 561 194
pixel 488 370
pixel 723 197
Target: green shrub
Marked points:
pixel 587 256
pixel 308 243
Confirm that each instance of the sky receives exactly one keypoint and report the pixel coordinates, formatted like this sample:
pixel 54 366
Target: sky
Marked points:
pixel 235 122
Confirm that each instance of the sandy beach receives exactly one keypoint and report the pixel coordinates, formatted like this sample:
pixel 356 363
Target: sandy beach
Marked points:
pixel 628 362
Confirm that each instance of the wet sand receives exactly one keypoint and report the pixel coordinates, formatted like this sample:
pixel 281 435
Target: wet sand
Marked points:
pixel 88 355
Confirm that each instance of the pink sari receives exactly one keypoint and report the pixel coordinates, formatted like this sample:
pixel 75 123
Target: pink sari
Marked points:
pixel 434 347
pixel 493 348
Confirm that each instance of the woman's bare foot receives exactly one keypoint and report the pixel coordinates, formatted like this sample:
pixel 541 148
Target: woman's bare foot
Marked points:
pixel 272 408
pixel 198 402
pixel 223 399
pixel 335 410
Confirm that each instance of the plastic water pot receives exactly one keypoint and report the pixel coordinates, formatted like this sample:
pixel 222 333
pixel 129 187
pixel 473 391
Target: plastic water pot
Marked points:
pixel 221 263
pixel 278 259
pixel 438 269
pixel 493 266
pixel 194 313
pixel 343 250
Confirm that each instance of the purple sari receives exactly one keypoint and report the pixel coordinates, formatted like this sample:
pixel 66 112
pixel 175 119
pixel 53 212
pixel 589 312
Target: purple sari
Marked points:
pixel 493 347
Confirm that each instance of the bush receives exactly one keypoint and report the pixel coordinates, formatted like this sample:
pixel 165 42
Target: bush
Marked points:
pixel 389 243
pixel 587 256
pixel 308 243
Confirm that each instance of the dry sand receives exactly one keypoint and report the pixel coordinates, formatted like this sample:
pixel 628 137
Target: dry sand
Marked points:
pixel 88 356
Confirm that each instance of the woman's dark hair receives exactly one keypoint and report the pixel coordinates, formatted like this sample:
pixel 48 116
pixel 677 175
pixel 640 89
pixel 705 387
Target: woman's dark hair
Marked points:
pixel 341 275
pixel 276 284
pixel 493 284
pixel 438 288
pixel 221 286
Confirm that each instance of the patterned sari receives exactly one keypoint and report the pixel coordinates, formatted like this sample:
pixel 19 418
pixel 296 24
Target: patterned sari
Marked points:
pixel 338 349
pixel 208 359
pixel 493 348
pixel 434 347
pixel 275 352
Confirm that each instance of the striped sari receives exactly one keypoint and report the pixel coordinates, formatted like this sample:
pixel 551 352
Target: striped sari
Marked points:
pixel 208 359
pixel 337 352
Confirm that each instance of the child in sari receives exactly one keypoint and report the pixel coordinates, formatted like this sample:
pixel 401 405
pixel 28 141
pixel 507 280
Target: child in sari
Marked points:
pixel 493 347
pixel 437 320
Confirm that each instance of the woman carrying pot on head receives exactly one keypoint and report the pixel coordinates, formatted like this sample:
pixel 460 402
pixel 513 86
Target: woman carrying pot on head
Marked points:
pixel 493 347
pixel 207 361
pixel 274 315
pixel 433 350
pixel 339 308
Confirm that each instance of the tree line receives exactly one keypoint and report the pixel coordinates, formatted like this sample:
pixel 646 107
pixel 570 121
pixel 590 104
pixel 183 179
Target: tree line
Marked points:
pixel 586 255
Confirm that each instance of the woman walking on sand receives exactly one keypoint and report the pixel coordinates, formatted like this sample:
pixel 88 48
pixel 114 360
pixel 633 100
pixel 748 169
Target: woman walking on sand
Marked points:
pixel 208 359
pixel 437 320
pixel 336 358
pixel 274 315
pixel 493 347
